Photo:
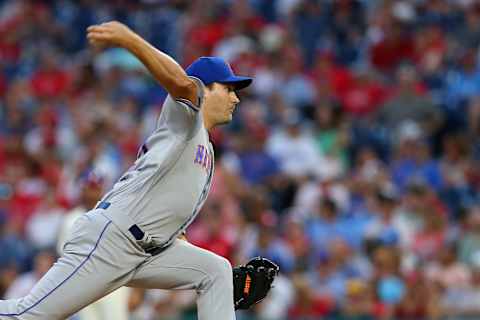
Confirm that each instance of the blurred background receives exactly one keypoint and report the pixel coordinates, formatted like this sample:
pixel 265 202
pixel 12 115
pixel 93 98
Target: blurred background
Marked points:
pixel 352 161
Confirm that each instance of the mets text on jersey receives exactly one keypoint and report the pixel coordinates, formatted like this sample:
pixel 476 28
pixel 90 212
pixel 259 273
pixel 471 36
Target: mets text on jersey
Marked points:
pixel 203 157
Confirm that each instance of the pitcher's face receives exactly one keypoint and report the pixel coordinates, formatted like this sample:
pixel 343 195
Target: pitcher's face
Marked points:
pixel 220 101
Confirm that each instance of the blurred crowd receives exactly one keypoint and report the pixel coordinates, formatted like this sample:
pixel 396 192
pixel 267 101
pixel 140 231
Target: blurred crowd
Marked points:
pixel 353 160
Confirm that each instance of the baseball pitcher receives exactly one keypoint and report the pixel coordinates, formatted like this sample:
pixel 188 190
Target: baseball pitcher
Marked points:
pixel 131 237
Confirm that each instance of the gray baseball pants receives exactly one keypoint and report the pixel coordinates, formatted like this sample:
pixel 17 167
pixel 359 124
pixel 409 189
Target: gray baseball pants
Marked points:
pixel 100 257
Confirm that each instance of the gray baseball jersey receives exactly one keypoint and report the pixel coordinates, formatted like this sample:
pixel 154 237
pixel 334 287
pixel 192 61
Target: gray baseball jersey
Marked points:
pixel 170 180
pixel 161 193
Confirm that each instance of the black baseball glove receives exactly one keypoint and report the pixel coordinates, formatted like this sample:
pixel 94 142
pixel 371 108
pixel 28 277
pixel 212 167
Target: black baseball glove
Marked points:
pixel 251 282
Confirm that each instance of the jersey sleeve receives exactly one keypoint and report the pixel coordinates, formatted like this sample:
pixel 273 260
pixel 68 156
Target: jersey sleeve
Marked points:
pixel 181 116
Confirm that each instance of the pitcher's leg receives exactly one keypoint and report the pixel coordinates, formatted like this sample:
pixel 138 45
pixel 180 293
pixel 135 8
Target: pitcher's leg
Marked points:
pixel 87 271
pixel 185 266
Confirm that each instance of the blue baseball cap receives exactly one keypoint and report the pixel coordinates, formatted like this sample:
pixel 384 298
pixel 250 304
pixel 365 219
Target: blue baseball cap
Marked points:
pixel 215 69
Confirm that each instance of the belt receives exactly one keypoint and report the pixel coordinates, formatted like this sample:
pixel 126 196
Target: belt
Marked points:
pixel 136 232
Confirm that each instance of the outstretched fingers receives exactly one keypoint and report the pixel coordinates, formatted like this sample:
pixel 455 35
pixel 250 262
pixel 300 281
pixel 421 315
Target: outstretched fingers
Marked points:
pixel 108 34
pixel 98 36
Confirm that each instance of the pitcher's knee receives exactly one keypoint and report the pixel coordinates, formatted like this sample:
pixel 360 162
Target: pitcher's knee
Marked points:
pixel 226 268
pixel 221 268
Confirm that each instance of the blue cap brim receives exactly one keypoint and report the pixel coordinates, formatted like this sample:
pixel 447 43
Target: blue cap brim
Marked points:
pixel 239 82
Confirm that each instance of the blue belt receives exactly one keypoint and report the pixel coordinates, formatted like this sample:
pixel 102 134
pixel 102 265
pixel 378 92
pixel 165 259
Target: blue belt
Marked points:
pixel 136 232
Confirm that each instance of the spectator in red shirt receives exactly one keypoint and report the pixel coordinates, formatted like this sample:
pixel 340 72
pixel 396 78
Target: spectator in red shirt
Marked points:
pixel 395 47
pixel 308 305
pixel 50 80
pixel 430 241
pixel 364 95
pixel 211 233
pixel 337 78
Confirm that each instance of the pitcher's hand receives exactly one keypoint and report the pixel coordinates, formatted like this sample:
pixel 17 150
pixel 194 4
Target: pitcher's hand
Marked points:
pixel 110 34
